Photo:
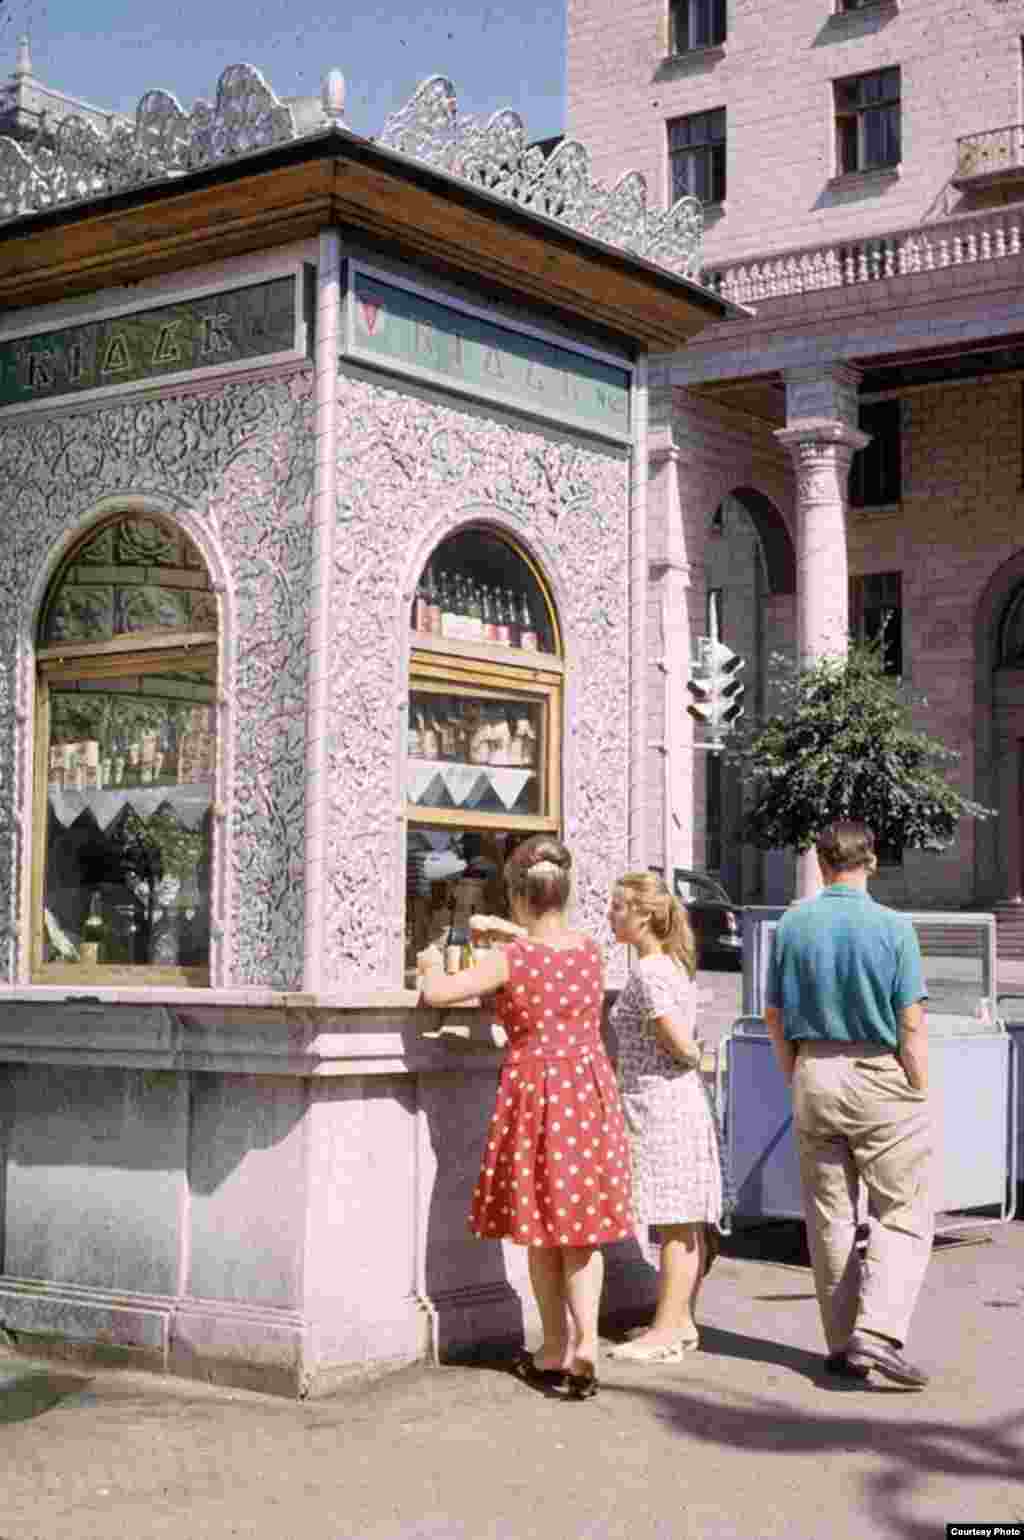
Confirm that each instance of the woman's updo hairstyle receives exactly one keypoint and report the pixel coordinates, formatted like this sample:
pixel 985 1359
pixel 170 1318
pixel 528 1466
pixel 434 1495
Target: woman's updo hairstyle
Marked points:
pixel 649 896
pixel 538 872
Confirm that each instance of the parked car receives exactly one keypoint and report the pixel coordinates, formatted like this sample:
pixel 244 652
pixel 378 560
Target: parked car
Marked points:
pixel 714 917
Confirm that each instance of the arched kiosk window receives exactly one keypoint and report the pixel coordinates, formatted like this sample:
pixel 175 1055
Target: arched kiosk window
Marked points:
pixel 126 752
pixel 483 767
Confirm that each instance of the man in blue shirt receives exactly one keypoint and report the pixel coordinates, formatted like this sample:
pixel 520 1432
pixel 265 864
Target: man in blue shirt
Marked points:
pixel 845 1013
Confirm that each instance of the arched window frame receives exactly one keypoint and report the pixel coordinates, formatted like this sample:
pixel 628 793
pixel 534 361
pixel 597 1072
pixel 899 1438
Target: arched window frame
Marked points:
pixel 487 672
pixel 1011 617
pixel 127 654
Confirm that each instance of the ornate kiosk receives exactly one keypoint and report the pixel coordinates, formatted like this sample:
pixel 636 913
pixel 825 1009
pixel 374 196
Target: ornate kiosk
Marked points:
pixel 323 579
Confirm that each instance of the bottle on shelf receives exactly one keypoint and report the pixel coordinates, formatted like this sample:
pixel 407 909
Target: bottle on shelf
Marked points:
pixel 529 641
pixel 93 931
pixel 421 608
pixel 474 612
pixel 433 604
pixel 502 623
pixel 513 618
pixel 490 622
pixel 448 605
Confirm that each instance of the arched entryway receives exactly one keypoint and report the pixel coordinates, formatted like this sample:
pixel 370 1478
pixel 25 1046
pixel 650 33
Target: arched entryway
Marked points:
pixel 999 736
pixel 750 567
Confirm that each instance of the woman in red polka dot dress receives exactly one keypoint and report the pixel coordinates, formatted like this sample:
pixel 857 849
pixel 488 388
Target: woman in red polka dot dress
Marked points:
pixel 555 1173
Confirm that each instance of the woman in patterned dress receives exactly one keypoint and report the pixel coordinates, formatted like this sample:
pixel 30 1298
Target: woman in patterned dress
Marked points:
pixel 678 1178
pixel 555 1171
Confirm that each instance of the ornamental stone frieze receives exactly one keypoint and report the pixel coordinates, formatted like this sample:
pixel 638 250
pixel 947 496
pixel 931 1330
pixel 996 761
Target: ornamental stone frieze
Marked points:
pixel 235 464
pixel 410 472
pixel 76 161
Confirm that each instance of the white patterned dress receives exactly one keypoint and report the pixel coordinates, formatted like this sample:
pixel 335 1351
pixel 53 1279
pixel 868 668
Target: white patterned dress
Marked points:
pixel 677 1157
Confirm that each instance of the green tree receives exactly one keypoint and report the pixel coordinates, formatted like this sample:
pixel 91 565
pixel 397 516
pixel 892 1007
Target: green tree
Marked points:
pixel 841 744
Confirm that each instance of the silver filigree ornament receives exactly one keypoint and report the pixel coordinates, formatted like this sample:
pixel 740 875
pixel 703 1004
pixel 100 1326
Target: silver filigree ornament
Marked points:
pixel 77 162
pixel 164 141
pixel 496 156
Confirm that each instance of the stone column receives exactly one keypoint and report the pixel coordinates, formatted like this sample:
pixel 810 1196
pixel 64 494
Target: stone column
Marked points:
pixel 676 615
pixel 822 436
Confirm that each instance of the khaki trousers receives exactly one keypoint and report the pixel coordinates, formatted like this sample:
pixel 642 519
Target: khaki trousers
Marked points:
pixel 857 1117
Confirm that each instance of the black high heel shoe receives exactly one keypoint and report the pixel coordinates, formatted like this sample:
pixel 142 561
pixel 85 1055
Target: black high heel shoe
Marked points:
pixel 526 1370
pixel 582 1387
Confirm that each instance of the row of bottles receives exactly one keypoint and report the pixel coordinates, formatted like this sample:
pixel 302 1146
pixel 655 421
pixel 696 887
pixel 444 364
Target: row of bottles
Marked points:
pixel 457 607
pixel 183 750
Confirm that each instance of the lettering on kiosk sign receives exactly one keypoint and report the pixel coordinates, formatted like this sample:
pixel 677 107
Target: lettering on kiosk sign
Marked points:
pixel 240 324
pixel 392 325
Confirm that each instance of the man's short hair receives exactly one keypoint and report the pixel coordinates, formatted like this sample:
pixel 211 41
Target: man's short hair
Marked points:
pixel 846 846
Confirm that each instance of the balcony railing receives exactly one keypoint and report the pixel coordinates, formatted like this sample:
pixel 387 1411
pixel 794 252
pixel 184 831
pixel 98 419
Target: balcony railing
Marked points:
pixel 983 237
pixel 998 153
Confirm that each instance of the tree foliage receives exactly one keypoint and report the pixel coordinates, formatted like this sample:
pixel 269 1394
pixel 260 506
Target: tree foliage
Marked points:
pixel 842 744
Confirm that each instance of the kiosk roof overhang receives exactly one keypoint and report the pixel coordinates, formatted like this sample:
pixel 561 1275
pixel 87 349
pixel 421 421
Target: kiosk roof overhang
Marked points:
pixel 334 177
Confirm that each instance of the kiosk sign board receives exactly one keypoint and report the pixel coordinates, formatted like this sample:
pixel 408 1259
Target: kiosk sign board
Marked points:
pixel 460 349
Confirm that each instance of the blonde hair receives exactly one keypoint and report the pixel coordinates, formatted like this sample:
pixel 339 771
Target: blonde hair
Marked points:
pixel 538 871
pixel 649 896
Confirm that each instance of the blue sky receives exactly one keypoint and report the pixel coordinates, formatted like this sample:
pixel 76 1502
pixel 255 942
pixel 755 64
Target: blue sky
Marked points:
pixel 109 52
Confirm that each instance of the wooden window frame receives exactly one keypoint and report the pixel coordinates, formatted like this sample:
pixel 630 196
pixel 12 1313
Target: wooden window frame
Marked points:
pixel 682 26
pixel 124 657
pixel 713 151
pixel 851 117
pixel 464 668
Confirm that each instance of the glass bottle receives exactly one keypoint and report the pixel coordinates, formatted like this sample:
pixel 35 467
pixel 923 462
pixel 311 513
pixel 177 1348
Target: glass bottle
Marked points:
pixel 474 612
pixel 433 604
pixel 421 610
pixel 501 620
pixel 93 931
pixel 528 639
pixel 513 618
pixel 448 610
pixel 490 623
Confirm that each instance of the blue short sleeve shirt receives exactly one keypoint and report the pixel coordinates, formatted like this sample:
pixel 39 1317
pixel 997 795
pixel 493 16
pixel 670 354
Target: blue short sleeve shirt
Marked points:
pixel 843 967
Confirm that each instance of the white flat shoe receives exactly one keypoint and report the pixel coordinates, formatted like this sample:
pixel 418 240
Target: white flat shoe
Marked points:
pixel 656 1352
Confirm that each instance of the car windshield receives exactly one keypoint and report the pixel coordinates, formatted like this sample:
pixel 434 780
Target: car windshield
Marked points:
pixel 699 890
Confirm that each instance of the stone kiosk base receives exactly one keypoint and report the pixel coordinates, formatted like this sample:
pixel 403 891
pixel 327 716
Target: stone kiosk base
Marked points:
pixel 253 1188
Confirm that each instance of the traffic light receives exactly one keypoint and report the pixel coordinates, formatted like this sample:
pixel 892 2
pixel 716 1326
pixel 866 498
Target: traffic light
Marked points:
pixel 717 691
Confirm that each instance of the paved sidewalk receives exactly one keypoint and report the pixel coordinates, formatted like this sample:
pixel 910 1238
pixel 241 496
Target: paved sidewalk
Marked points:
pixel 746 1439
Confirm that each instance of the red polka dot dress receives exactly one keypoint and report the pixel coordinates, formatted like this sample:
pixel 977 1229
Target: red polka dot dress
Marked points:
pixel 556 1167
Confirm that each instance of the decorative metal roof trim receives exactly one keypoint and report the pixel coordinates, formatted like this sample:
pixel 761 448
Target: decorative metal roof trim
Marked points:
pixel 165 141
pixel 496 156
pixel 76 162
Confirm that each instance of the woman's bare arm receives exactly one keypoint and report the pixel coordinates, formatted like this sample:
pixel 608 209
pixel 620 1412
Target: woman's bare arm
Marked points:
pixel 485 977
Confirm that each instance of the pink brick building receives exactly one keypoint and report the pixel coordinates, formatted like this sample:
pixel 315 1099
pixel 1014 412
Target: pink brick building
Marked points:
pixel 862 170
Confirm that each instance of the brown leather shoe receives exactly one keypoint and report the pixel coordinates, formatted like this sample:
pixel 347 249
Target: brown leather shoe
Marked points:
pixel 866 1351
pixel 840 1365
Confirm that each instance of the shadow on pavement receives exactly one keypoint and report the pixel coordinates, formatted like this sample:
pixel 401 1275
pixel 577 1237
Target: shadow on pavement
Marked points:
pixel 923 1449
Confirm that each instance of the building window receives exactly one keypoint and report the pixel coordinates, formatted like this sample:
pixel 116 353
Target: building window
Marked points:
pixel 845 6
pixel 126 746
pixel 696 24
pixel 876 610
pixel 876 471
pixel 868 121
pixel 483 762
pixel 696 148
